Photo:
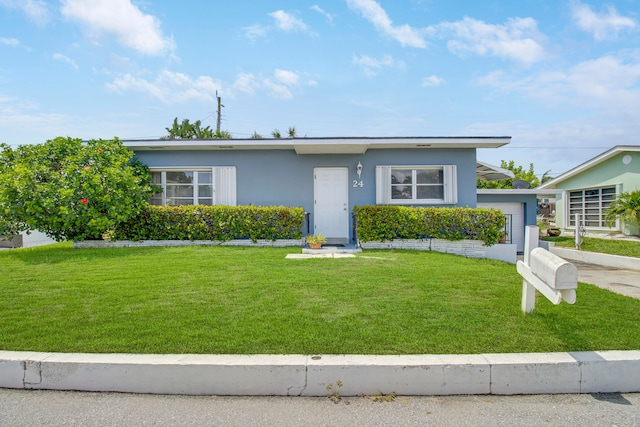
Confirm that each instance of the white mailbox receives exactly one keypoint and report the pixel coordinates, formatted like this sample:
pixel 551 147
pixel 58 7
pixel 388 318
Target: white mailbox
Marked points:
pixel 545 272
pixel 553 270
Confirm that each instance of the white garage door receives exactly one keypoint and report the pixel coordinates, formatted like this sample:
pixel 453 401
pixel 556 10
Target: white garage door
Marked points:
pixel 516 210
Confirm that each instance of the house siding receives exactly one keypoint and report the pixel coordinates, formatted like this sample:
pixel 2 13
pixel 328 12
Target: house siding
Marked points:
pixel 282 177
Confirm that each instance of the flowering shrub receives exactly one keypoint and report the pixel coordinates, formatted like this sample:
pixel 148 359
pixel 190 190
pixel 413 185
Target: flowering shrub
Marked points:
pixel 212 223
pixel 403 222
pixel 70 189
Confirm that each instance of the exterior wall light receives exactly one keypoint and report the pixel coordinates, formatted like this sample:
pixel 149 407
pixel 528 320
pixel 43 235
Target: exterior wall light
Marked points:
pixel 359 169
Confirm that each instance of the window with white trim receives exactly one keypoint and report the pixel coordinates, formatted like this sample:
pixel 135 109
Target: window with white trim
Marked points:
pixel 202 186
pixel 591 204
pixel 416 185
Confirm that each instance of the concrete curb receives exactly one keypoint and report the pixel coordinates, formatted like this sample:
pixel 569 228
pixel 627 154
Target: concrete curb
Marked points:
pixel 606 260
pixel 302 375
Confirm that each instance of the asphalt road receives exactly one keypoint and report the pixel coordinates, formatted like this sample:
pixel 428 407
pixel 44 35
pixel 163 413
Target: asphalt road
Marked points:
pixel 57 408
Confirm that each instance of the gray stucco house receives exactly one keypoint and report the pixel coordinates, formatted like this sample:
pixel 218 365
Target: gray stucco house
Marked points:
pixel 325 176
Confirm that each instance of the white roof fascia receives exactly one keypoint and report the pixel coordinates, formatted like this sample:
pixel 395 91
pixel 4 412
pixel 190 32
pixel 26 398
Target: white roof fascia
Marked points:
pixel 589 164
pixel 320 145
pixel 537 191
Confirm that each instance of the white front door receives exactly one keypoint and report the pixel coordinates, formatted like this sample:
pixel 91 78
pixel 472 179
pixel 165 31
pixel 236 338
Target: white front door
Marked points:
pixel 331 204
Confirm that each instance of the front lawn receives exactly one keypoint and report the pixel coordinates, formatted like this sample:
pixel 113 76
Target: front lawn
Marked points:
pixel 605 246
pixel 253 300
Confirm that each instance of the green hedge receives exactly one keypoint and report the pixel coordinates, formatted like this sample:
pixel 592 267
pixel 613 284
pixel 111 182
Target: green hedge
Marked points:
pixel 380 223
pixel 213 223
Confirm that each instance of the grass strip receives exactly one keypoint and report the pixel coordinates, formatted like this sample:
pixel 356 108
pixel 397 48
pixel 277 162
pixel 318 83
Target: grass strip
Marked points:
pixel 606 246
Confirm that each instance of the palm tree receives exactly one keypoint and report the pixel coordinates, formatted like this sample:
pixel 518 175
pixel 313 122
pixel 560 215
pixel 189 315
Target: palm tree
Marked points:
pixel 256 135
pixel 276 134
pixel 626 208
pixel 292 132
pixel 174 130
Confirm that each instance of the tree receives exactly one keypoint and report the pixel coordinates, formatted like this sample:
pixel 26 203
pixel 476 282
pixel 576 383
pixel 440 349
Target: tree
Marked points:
pixel 626 208
pixel 223 134
pixel 292 132
pixel 70 189
pixel 187 130
pixel 256 135
pixel 276 134
pixel 519 173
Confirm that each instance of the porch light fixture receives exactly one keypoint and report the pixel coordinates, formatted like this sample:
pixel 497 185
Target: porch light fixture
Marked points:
pixel 359 169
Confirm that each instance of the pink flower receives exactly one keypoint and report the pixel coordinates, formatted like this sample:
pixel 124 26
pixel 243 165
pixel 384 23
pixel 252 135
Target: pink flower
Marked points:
pixel 87 168
pixel 84 201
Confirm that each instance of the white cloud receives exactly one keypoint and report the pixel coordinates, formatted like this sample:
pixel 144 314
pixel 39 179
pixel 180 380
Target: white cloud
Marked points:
pixel 374 13
pixel 606 83
pixel 518 39
pixel 169 87
pixel 321 11
pixel 432 81
pixel 371 66
pixel 288 78
pixel 133 28
pixel 280 86
pixel 63 58
pixel 36 10
pixel 173 88
pixel 10 42
pixel 255 32
pixel 287 22
pixel 247 83
pixel 603 26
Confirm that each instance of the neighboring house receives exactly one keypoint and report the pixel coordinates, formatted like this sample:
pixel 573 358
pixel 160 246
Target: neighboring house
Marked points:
pixel 325 176
pixel 589 189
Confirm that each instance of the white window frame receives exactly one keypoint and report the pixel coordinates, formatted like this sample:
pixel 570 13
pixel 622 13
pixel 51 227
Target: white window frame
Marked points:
pixel 384 186
pixel 569 217
pixel 223 182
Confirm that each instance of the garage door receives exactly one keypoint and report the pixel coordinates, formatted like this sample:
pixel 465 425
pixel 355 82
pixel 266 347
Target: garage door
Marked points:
pixel 516 210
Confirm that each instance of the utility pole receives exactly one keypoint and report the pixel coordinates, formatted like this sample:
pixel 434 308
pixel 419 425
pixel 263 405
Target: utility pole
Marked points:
pixel 219 113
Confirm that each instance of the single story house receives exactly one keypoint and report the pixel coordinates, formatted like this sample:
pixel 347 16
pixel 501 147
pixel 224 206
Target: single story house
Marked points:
pixel 588 189
pixel 328 176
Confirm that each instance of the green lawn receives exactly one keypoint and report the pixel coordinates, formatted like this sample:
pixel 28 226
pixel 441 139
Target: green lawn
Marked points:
pixel 605 246
pixel 253 300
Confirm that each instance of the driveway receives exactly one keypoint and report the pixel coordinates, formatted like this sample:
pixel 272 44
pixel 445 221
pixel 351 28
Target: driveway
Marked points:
pixel 624 282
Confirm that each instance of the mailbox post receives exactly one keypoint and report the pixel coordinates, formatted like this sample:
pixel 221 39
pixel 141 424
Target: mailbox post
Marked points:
pixel 552 276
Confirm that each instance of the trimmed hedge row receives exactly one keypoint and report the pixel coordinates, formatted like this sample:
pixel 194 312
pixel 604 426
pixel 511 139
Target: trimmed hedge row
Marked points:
pixel 380 223
pixel 220 223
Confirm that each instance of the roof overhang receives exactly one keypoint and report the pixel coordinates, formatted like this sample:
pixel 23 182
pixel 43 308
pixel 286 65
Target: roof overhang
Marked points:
pixel 492 173
pixel 522 191
pixel 353 145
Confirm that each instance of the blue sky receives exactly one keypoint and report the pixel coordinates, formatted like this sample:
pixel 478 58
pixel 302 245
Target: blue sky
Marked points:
pixel 561 77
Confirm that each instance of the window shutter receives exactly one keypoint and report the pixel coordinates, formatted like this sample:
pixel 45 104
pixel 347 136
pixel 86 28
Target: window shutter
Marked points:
pixel 225 185
pixel 383 185
pixel 450 184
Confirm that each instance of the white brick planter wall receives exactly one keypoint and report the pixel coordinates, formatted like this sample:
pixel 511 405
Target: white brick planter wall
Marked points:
pixel 467 248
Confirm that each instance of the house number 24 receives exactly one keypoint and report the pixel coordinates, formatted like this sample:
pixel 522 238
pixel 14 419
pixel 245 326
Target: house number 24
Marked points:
pixel 357 183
